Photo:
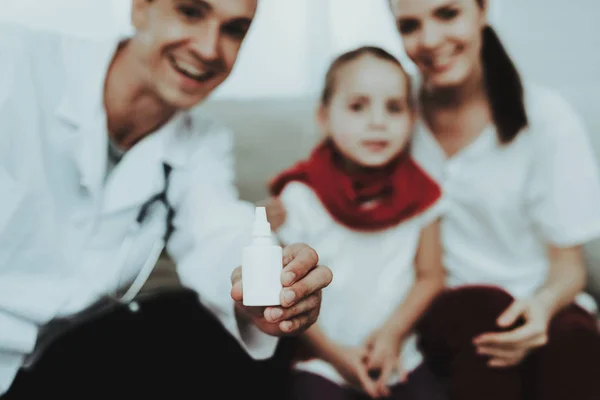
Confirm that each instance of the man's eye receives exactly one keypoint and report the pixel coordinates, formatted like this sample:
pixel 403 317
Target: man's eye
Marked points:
pixel 447 13
pixel 191 12
pixel 236 31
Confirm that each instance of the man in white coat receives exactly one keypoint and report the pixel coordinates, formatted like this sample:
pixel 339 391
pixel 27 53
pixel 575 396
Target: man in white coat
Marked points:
pixel 101 164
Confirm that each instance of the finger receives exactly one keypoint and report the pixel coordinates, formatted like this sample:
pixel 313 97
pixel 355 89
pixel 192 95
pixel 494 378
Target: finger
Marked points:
pixel 236 284
pixel 401 371
pixel 297 324
pixel 534 342
pixel 502 353
pixel 516 337
pixel 504 362
pixel 299 260
pixel 364 355
pixel 312 283
pixel 376 359
pixel 386 373
pixel 309 304
pixel 367 383
pixel 511 314
pixel 236 275
pixel 251 311
pixel 369 343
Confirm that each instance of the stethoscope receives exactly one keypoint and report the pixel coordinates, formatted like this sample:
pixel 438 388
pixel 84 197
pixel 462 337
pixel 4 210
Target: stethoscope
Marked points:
pixel 57 326
pixel 157 247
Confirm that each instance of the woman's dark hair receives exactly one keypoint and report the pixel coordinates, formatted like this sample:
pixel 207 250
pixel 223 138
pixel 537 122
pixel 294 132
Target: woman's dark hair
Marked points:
pixel 504 86
pixel 352 55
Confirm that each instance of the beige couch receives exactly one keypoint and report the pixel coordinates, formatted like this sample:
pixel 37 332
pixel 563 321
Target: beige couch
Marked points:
pixel 272 134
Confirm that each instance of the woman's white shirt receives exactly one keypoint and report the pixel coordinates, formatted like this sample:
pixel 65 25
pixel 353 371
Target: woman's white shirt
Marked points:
pixel 373 272
pixel 62 223
pixel 507 203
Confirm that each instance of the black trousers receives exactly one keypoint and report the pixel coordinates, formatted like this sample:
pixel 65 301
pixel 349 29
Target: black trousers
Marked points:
pixel 421 385
pixel 170 347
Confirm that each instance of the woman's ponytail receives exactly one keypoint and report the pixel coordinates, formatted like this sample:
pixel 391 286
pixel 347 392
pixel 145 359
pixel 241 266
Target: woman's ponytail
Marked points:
pixel 504 87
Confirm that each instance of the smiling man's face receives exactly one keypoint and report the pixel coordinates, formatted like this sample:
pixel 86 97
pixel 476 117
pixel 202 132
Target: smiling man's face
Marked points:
pixel 189 46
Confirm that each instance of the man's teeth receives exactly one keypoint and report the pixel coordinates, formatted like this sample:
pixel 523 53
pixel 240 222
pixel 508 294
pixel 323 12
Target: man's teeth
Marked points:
pixel 189 69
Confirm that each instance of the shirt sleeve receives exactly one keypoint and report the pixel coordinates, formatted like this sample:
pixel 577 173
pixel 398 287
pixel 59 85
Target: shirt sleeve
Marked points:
pixel 11 55
pixel 434 212
pixel 211 228
pixel 565 183
pixel 17 334
pixel 304 214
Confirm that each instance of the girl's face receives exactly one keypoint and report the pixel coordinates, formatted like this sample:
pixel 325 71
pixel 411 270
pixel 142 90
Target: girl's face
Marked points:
pixel 368 117
pixel 442 37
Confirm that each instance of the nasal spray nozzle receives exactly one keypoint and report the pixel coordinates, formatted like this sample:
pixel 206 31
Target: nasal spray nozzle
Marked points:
pixel 261 227
pixel 262 262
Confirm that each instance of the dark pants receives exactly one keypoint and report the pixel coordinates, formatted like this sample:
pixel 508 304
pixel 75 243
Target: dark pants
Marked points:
pixel 421 385
pixel 566 368
pixel 171 348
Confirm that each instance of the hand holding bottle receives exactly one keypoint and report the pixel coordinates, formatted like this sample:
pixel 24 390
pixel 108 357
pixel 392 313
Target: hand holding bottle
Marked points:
pixel 295 278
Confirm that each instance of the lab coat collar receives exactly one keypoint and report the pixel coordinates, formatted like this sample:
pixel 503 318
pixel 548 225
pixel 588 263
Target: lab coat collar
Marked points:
pixel 139 174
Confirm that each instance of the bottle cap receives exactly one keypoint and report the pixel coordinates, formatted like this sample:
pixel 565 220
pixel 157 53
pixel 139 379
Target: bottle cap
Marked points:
pixel 261 227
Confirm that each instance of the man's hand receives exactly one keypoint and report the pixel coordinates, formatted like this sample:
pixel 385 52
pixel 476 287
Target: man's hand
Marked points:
pixel 302 281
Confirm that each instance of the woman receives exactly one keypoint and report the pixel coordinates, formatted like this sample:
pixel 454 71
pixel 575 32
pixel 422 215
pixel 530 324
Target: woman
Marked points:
pixel 522 188
pixel 523 195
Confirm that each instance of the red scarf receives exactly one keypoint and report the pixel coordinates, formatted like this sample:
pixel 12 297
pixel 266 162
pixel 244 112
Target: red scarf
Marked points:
pixel 402 189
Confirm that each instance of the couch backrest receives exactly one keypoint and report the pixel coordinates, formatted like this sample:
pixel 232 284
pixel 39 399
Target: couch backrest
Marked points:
pixel 271 135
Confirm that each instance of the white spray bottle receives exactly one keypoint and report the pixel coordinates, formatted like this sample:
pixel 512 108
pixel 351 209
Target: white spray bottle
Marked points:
pixel 262 264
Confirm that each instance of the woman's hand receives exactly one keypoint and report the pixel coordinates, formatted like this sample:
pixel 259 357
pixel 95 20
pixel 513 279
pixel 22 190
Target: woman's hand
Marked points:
pixel 566 278
pixel 383 359
pixel 507 349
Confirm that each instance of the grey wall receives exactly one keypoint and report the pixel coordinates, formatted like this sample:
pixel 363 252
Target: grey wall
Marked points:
pixel 557 42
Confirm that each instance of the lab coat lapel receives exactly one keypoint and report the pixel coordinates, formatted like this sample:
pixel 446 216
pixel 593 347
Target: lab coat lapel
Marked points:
pixel 82 106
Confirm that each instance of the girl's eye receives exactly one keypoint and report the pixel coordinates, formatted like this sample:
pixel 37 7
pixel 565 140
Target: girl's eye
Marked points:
pixel 357 107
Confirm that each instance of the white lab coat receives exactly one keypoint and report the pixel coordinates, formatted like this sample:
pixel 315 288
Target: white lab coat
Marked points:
pixel 62 221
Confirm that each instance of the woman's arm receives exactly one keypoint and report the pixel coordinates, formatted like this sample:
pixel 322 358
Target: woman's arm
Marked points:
pixel 566 278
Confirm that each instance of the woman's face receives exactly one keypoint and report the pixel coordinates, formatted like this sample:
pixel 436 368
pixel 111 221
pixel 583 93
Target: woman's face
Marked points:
pixel 442 37
pixel 189 47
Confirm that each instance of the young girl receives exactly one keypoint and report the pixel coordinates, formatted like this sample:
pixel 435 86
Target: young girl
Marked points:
pixel 371 214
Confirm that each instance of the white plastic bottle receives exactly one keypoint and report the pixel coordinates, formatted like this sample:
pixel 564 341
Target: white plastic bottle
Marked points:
pixel 262 264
